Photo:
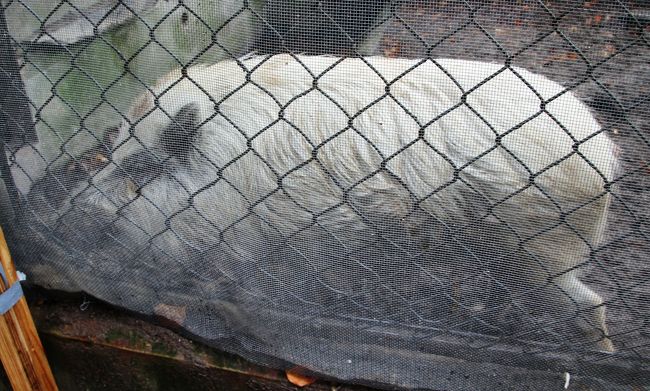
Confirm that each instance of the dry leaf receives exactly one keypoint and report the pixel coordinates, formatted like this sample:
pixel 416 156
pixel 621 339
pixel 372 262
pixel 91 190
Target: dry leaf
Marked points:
pixel 393 51
pixel 608 50
pixel 593 20
pixel 101 158
pixel 174 313
pixel 565 56
pixel 568 56
pixel 296 377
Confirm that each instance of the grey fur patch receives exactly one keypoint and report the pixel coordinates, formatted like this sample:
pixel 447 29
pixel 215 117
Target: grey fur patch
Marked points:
pixel 177 137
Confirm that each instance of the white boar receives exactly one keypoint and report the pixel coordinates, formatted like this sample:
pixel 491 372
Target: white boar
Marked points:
pixel 236 159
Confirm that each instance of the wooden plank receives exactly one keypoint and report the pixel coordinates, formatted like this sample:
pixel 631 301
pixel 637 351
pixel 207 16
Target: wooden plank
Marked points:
pixel 21 350
pixel 11 360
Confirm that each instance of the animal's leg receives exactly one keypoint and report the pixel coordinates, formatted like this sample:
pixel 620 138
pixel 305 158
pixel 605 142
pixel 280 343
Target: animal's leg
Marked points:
pixel 590 304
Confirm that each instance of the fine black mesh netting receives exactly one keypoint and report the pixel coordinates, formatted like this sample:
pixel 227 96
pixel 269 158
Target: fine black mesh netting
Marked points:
pixel 425 194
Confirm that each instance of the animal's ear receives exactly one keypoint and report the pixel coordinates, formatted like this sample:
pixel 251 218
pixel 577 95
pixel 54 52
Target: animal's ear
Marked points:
pixel 178 136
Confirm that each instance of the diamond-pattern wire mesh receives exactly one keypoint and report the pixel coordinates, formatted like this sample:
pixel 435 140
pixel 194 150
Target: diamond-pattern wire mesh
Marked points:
pixel 383 299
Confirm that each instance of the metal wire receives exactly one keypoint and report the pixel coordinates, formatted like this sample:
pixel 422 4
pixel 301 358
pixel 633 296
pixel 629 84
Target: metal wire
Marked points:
pixel 483 329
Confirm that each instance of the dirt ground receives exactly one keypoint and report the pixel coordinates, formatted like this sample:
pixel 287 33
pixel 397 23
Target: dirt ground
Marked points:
pixel 564 40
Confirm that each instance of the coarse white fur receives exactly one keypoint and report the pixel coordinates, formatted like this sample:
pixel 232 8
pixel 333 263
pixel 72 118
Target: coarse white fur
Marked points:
pixel 353 126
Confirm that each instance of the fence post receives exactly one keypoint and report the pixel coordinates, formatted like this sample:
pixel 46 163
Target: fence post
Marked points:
pixel 21 350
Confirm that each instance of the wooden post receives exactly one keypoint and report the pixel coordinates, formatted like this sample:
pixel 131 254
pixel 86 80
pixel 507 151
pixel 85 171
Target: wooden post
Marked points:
pixel 21 351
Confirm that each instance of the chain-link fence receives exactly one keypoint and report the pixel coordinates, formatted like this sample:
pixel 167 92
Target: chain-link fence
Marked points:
pixel 467 209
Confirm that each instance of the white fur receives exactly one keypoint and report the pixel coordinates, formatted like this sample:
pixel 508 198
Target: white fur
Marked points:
pixel 353 91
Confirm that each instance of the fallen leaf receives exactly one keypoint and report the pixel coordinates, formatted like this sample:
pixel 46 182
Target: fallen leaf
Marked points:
pixel 393 51
pixel 593 20
pixel 174 313
pixel 608 50
pixel 101 158
pixel 296 377
pixel 565 56
pixel 570 56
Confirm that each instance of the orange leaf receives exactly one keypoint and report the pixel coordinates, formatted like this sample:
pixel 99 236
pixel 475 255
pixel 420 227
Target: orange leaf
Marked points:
pixel 393 51
pixel 608 50
pixel 566 56
pixel 296 377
